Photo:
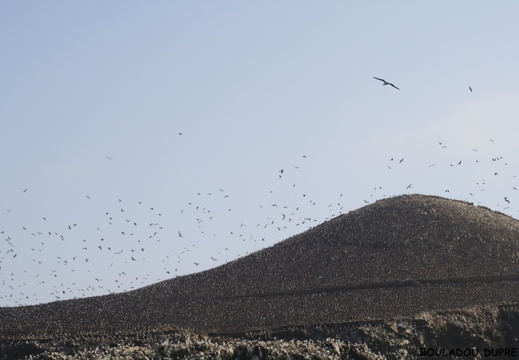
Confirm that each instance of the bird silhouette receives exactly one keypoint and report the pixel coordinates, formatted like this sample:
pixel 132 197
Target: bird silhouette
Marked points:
pixel 385 82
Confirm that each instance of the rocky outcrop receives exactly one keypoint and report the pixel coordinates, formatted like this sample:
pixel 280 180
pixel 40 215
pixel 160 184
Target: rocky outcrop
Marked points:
pixel 478 333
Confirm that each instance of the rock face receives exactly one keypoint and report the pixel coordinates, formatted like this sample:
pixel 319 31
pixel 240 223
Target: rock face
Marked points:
pixel 395 258
pixel 477 333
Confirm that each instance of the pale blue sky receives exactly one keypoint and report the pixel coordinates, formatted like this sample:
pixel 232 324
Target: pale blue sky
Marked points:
pixel 252 87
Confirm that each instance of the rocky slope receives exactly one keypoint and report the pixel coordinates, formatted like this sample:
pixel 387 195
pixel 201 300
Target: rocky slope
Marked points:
pixel 477 333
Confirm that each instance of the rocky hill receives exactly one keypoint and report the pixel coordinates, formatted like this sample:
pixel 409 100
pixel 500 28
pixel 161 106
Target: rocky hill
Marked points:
pixel 395 258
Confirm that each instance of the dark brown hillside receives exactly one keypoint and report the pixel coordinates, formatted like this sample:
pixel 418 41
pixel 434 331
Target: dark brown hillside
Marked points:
pixel 407 237
pixel 396 257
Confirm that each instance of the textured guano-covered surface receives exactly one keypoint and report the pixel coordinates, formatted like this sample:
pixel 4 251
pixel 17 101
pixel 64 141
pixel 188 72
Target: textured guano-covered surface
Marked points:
pixel 485 332
pixel 396 257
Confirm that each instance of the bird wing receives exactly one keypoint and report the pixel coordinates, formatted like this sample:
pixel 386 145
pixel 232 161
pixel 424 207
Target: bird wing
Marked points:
pixel 394 86
pixel 379 79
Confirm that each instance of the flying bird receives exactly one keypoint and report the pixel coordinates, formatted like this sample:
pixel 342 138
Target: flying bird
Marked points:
pixel 385 82
pixel 470 89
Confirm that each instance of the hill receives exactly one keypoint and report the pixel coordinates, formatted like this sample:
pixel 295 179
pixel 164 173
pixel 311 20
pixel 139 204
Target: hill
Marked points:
pixel 394 258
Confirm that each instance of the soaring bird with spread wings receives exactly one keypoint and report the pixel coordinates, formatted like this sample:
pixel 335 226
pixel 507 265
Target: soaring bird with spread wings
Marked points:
pixel 385 82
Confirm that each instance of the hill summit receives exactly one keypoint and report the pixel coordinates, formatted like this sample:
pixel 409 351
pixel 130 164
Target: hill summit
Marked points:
pixel 396 257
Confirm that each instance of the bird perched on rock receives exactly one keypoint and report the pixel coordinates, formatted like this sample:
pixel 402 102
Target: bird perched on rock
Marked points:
pixel 385 82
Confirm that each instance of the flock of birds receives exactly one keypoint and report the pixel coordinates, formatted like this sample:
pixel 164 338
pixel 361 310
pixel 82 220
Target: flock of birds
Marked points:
pixel 73 259
pixel 121 241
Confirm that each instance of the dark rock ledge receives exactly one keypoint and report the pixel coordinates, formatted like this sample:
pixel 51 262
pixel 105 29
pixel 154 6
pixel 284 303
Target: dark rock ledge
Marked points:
pixel 475 328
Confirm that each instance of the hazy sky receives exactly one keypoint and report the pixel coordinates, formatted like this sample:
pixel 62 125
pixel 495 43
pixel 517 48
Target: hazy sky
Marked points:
pixel 146 140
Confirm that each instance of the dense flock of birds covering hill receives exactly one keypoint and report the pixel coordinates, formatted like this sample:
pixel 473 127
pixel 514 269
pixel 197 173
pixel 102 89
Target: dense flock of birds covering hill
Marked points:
pixel 395 257
pixel 116 244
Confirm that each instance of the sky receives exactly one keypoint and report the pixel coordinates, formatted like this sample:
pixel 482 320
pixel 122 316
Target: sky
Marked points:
pixel 142 141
